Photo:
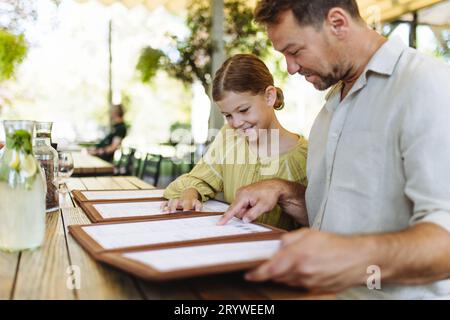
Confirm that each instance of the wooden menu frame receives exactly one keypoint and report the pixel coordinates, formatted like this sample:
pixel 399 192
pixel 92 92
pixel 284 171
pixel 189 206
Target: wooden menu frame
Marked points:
pixel 94 248
pixel 144 271
pixel 95 216
pixel 114 256
pixel 79 197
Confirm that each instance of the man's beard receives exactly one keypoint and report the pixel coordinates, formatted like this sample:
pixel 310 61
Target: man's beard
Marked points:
pixel 326 81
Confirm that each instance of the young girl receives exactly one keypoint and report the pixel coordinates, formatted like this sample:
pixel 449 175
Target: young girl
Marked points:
pixel 251 147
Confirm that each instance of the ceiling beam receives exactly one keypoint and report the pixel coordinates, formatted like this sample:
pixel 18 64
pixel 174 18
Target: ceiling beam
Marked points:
pixel 389 10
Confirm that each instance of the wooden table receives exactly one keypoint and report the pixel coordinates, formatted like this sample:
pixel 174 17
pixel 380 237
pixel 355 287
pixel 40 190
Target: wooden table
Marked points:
pixel 87 165
pixel 45 272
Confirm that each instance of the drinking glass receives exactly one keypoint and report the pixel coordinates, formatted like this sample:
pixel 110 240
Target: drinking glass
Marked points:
pixel 65 169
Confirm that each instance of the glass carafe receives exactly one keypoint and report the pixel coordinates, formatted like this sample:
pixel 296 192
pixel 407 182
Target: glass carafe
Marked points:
pixel 22 190
pixel 48 159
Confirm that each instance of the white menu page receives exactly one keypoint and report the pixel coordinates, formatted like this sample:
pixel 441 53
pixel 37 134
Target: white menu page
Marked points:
pixel 205 255
pixel 129 209
pixel 122 194
pixel 119 235
pixel 215 206
pixel 147 208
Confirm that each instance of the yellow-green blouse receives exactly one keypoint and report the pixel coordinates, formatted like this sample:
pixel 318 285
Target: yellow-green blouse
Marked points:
pixel 230 164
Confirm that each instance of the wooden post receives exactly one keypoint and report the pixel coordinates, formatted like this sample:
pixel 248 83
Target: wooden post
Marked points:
pixel 218 56
pixel 110 102
pixel 413 31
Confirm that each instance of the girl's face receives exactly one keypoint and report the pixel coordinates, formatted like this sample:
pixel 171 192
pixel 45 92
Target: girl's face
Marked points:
pixel 247 112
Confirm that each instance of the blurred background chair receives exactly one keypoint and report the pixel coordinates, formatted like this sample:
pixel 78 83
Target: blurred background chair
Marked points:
pixel 158 167
pixel 123 161
pixel 150 168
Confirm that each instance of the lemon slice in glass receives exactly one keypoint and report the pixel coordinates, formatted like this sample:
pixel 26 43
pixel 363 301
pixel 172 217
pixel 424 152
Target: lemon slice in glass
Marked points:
pixel 28 166
pixel 15 160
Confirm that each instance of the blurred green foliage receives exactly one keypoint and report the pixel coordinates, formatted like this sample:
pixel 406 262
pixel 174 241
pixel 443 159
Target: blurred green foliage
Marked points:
pixel 443 50
pixel 241 34
pixel 12 52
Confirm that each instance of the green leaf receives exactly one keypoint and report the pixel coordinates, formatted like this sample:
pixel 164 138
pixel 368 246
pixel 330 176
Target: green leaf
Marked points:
pixel 20 139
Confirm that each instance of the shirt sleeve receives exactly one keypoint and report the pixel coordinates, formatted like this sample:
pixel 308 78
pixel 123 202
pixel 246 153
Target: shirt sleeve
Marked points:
pixel 425 148
pixel 106 141
pixel 120 131
pixel 207 175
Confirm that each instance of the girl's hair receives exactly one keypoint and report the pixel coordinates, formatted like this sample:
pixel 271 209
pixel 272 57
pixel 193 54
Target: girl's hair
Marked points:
pixel 244 73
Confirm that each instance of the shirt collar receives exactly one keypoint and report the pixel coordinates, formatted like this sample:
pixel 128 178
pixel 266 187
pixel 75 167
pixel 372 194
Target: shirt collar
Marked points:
pixel 386 57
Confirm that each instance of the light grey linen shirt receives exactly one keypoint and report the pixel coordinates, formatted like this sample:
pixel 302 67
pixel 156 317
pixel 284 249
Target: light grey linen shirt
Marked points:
pixel 379 160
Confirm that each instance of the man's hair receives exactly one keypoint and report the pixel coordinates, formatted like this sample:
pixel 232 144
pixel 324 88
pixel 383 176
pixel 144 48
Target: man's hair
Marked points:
pixel 306 12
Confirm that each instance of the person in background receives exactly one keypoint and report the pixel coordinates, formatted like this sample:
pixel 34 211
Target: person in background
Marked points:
pixel 244 91
pixel 107 146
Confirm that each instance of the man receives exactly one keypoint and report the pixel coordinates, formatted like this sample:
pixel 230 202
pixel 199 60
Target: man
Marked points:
pixel 107 146
pixel 378 198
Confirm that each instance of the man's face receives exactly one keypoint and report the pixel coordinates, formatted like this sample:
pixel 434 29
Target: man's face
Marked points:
pixel 311 53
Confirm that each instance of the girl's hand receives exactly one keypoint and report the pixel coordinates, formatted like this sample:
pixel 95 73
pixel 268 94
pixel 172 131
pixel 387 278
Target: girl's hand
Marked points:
pixel 189 200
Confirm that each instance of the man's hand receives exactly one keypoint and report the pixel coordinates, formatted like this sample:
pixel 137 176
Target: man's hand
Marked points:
pixel 328 262
pixel 255 199
pixel 189 200
pixel 318 261
pixel 252 201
